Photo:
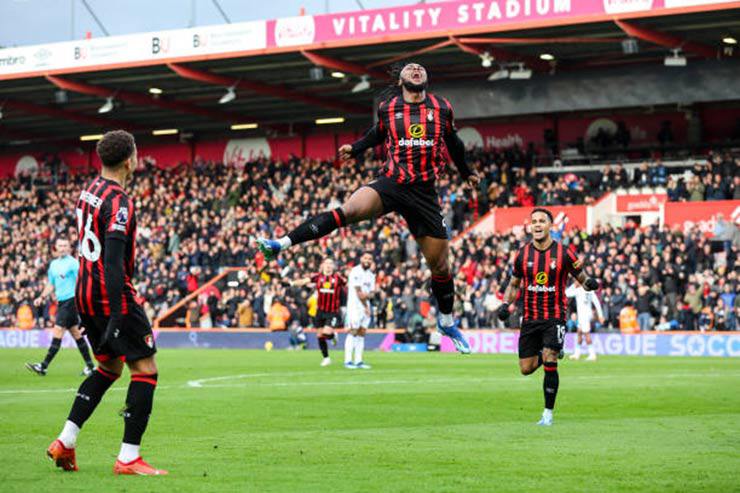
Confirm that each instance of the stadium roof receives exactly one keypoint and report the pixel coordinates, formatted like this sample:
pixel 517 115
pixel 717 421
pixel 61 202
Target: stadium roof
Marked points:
pixel 274 88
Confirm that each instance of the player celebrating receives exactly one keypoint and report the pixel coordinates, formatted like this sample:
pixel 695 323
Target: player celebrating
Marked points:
pixel 62 276
pixel 543 266
pixel 584 301
pixel 329 286
pixel 360 288
pixel 114 322
pixel 416 127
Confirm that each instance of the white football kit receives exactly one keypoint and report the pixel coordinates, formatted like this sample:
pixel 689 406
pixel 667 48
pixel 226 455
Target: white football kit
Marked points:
pixel 358 311
pixel 584 300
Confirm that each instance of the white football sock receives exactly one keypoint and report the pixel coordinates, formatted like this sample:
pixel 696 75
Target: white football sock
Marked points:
pixel 359 348
pixel 591 350
pixel 69 433
pixel 547 413
pixel 446 319
pixel 284 242
pixel 128 452
pixel 349 345
pixel 577 352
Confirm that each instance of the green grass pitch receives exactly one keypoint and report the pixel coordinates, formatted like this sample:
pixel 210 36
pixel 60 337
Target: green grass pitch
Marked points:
pixel 257 421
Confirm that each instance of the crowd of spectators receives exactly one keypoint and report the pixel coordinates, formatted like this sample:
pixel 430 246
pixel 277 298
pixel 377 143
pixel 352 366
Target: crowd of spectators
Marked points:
pixel 196 219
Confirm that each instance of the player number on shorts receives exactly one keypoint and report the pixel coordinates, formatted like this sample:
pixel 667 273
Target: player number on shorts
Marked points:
pixel 89 243
pixel 561 333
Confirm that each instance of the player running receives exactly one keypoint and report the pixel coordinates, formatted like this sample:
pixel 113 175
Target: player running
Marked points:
pixel 416 127
pixel 584 301
pixel 114 322
pixel 329 286
pixel 62 276
pixel 360 288
pixel 540 269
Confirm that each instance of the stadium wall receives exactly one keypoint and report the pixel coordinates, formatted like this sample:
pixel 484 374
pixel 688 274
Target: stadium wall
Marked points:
pixel 691 344
pixel 610 209
pixel 718 125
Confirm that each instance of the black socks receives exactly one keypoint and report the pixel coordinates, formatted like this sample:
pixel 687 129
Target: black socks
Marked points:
pixel 89 395
pixel 443 289
pixel 56 343
pixel 550 384
pixel 318 226
pixel 84 351
pixel 139 401
pixel 323 346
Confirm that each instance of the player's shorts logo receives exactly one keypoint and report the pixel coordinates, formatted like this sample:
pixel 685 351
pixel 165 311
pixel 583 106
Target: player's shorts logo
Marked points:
pixel 417 131
pixel 149 340
pixel 541 278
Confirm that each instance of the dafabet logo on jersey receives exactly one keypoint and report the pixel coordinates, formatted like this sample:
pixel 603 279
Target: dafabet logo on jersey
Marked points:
pixel 541 278
pixel 417 132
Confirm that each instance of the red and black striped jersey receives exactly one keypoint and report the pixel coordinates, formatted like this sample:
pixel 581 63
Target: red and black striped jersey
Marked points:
pixel 543 274
pixel 329 289
pixel 103 210
pixel 414 134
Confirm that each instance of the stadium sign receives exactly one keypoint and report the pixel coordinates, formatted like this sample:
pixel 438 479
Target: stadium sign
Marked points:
pixel 640 202
pixel 418 21
pixel 721 344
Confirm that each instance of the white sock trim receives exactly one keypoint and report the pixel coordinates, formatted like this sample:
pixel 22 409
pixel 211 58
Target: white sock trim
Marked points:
pixel 69 433
pixel 285 242
pixel 128 452
pixel 446 319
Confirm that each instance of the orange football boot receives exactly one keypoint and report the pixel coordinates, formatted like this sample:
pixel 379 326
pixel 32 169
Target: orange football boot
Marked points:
pixel 138 467
pixel 63 457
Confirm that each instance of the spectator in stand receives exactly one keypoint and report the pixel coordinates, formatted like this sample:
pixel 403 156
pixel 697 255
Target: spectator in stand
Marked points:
pixel 642 175
pixel 644 306
pixel 696 189
pixel 657 173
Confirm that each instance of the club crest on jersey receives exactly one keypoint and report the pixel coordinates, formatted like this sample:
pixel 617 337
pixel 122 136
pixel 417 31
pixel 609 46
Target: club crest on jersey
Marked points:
pixel 541 278
pixel 122 215
pixel 553 264
pixel 417 131
pixel 149 340
pixel 430 117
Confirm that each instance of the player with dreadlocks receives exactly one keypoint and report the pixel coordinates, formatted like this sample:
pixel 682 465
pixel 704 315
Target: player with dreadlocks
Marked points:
pixel 416 127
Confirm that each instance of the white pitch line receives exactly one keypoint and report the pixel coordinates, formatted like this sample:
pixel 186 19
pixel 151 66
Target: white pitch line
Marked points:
pixel 359 381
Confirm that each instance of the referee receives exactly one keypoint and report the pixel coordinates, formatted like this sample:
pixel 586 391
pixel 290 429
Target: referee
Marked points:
pixel 62 276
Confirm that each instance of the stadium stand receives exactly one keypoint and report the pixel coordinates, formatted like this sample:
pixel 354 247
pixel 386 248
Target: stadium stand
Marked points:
pixel 198 218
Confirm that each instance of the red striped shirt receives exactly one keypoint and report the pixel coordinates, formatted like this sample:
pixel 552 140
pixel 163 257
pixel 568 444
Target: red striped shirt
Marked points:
pixel 543 275
pixel 415 137
pixel 103 210
pixel 329 289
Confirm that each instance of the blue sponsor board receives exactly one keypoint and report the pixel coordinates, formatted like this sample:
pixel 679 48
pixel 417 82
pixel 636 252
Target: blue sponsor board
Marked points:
pixel 408 348
pixel 724 344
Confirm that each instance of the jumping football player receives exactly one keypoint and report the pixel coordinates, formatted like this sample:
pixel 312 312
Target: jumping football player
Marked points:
pixel 114 322
pixel 62 276
pixel 540 269
pixel 416 127
pixel 360 288
pixel 584 301
pixel 329 286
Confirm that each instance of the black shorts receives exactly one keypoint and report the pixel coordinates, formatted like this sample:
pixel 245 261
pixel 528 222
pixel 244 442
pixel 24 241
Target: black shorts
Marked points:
pixel 67 316
pixel 538 334
pixel 135 340
pixel 327 319
pixel 418 203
